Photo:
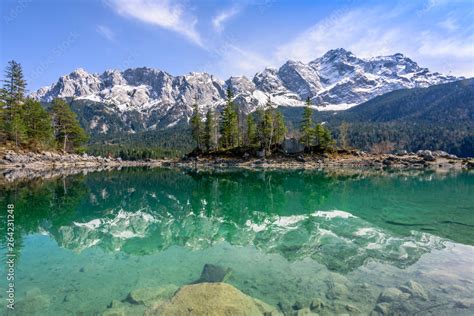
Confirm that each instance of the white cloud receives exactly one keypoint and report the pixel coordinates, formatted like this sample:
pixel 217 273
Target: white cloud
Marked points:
pixel 431 4
pixel 362 31
pixel 163 13
pixel 106 32
pixel 222 17
pixel 449 24
pixel 434 45
pixel 238 61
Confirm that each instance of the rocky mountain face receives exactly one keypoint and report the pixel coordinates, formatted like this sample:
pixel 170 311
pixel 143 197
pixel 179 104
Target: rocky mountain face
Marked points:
pixel 143 99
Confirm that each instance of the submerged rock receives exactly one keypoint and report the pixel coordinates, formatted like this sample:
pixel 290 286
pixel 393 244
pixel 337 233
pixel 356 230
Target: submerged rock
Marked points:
pixel 212 273
pixel 414 289
pixel 381 309
pixel 337 287
pixel 297 305
pixel 464 303
pixel 285 307
pixel 149 295
pixel 389 295
pixel 304 312
pixel 117 308
pixel 404 300
pixel 317 304
pixel 211 299
pixel 34 303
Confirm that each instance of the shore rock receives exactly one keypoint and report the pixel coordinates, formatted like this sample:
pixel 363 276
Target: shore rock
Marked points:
pixel 211 299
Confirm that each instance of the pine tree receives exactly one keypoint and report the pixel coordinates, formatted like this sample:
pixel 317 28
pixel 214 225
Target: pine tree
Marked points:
pixel 343 135
pixel 38 123
pixel 69 133
pixel 251 131
pixel 17 128
pixel 280 128
pixel 12 95
pixel 229 129
pixel 322 138
pixel 307 125
pixel 14 85
pixel 327 140
pixel 210 131
pixel 267 127
pixel 196 126
pixel 3 129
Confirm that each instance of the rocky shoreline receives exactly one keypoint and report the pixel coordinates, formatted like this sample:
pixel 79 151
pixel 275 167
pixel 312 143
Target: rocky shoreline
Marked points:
pixel 53 160
pixel 349 159
pixel 29 165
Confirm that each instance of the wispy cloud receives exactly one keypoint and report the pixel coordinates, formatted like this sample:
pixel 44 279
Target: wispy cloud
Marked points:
pixel 434 45
pixel 106 32
pixel 431 4
pixel 232 60
pixel 449 24
pixel 163 13
pixel 363 31
pixel 222 17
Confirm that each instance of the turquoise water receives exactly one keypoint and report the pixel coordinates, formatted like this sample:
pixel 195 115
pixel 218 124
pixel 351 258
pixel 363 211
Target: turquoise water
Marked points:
pixel 342 237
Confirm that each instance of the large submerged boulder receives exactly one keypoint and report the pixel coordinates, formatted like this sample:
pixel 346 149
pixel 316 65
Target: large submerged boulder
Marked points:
pixel 211 299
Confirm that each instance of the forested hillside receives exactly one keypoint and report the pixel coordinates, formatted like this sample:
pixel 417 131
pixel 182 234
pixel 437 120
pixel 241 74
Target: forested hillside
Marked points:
pixel 439 117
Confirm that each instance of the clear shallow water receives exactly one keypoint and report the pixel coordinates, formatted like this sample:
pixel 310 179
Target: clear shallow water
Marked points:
pixel 288 236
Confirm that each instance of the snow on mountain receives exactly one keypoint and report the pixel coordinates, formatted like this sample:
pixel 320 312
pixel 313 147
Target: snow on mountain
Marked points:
pixel 336 81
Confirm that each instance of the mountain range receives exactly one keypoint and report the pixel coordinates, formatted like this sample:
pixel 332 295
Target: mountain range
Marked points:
pixel 146 99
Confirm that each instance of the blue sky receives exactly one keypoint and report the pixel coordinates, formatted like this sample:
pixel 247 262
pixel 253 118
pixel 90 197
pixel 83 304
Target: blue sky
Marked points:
pixel 51 38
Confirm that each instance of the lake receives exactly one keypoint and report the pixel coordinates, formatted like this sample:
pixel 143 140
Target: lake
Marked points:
pixel 354 241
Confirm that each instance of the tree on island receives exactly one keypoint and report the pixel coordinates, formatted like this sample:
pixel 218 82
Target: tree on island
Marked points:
pixel 267 127
pixel 344 135
pixel 210 131
pixel 307 125
pixel 264 128
pixel 68 132
pixel 322 138
pixel 251 139
pixel 280 127
pixel 271 128
pixel 196 126
pixel 229 128
pixel 314 137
